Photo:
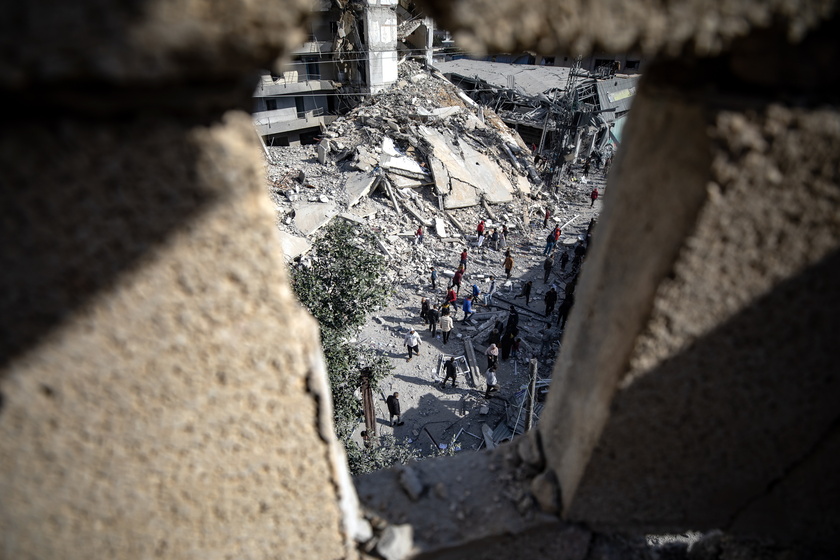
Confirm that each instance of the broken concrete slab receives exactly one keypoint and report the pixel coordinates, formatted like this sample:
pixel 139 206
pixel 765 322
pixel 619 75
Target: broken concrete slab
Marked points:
pixel 310 217
pixel 293 245
pixel 523 185
pixel 401 182
pixel 440 227
pixel 440 175
pixel 393 161
pixel 358 186
pixel 461 195
pixel 323 151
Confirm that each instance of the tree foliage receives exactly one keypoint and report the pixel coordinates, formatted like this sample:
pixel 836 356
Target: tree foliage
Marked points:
pixel 339 286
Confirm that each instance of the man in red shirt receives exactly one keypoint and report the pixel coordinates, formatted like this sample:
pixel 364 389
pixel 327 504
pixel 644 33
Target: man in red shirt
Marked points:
pixel 480 228
pixel 594 196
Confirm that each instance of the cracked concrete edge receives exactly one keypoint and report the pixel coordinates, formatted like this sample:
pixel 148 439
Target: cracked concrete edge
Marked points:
pixel 354 526
pixel 582 27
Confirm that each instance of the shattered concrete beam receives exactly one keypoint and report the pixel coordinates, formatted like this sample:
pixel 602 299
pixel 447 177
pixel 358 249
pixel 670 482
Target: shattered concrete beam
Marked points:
pixel 388 189
pixel 473 363
pixel 417 216
pixel 487 209
pixel 456 223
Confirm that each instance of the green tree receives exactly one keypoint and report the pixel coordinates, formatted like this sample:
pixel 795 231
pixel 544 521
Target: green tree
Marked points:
pixel 339 286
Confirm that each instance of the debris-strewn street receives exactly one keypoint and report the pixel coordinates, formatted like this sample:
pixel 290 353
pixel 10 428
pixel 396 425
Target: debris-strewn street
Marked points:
pixel 422 155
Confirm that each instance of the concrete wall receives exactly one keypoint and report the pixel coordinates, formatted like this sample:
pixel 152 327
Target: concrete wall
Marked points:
pixel 163 395
pixel 380 22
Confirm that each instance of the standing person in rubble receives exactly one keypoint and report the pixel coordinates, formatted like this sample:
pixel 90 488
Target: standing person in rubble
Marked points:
pixel 451 296
pixel 433 276
pixel 450 372
pixel 424 309
pixel 463 260
pixel 526 292
pixel 505 235
pixel 546 339
pixel 546 217
pixel 492 383
pixel 446 325
pixel 508 264
pixel 456 280
pixel 393 403
pixel 586 167
pixel 580 251
pixel 480 241
pixel 418 235
pixel 412 342
pixel 432 316
pixel 507 343
pixel 494 239
pixel 467 307
pixel 479 229
pixel 475 292
pixel 491 290
pixel 593 196
pixel 502 241
pixel 492 353
pixel 565 308
pixel 548 264
pixel 564 260
pixel 550 301
pixel 513 320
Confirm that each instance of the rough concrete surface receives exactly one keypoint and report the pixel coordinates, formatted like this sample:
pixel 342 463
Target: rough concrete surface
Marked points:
pixel 156 372
pixel 144 42
pixel 649 210
pixel 734 381
pixel 670 28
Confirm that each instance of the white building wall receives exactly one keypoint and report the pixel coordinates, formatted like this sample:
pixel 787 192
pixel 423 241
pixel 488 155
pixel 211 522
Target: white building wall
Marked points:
pixel 381 34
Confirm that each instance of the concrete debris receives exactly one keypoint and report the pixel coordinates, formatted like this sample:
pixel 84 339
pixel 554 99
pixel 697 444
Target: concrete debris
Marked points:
pixel 546 491
pixel 418 156
pixel 411 483
pixel 396 542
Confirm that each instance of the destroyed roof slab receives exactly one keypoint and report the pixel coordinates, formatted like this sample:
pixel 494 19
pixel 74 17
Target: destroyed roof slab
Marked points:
pixel 616 93
pixel 529 79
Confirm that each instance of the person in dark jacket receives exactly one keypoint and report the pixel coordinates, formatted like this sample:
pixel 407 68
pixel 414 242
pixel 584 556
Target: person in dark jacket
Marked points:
pixel 550 301
pixel 432 316
pixel 526 292
pixel 450 372
pixel 393 403
pixel 424 308
pixel 548 264
pixel 565 307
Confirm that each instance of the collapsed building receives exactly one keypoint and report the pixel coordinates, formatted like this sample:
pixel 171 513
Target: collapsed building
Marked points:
pixel 566 113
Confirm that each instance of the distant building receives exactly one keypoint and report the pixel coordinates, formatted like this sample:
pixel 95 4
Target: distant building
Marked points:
pixel 352 51
pixel 597 63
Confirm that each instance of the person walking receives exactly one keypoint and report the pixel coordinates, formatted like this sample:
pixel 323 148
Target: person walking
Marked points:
pixel 412 342
pixel 513 320
pixel 546 217
pixel 491 289
pixel 514 348
pixel 475 292
pixel 548 264
pixel 451 296
pixel 495 337
pixel 467 307
pixel 550 301
pixel 433 316
pixel 433 276
pixel 586 165
pixel 492 383
pixel 456 280
pixel 502 243
pixel 492 353
pixel 446 326
pixel 479 229
pixel 564 260
pixel 424 308
pixel 463 263
pixel 494 239
pixel 593 196
pixel 563 312
pixel 546 339
pixel 507 343
pixel 508 264
pixel 450 372
pixel 393 403
pixel 549 243
pixel 418 236
pixel 526 292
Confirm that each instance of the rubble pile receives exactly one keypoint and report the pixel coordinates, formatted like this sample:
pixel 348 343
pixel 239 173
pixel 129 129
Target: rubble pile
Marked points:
pixel 433 158
pixel 423 155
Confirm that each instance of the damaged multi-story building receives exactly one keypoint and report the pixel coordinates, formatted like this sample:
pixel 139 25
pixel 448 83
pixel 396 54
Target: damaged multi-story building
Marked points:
pixel 564 113
pixel 353 50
